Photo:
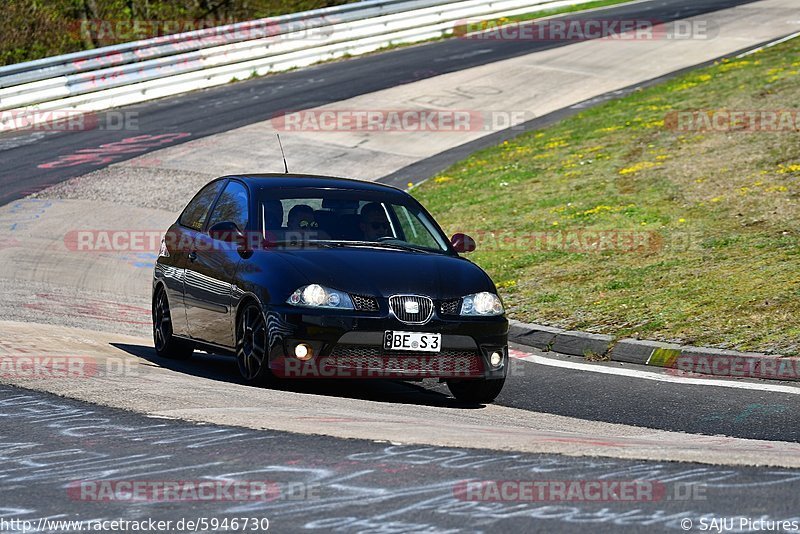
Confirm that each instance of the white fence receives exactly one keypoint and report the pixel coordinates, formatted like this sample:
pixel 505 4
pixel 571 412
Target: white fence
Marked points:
pixel 137 71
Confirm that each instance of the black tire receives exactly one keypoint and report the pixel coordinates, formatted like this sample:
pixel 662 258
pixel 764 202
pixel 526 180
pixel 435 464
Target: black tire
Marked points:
pixel 166 344
pixel 251 345
pixel 479 391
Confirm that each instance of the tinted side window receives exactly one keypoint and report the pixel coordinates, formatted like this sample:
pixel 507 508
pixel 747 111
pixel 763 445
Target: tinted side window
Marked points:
pixel 231 206
pixel 196 212
pixel 414 229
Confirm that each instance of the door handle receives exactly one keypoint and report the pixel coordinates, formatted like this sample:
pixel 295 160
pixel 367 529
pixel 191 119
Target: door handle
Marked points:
pixel 192 256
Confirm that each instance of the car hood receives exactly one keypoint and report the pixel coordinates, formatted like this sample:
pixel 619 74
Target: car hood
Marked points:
pixel 386 272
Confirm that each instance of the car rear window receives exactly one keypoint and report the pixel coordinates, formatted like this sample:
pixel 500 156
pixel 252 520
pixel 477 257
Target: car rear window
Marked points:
pixel 194 216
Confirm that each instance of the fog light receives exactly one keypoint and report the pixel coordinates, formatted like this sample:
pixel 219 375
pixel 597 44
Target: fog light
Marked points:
pixel 303 352
pixel 495 359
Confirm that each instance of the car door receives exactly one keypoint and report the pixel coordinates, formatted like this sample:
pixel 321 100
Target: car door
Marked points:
pixel 211 269
pixel 176 247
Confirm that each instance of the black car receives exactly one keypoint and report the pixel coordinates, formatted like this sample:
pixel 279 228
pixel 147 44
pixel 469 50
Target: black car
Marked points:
pixel 302 276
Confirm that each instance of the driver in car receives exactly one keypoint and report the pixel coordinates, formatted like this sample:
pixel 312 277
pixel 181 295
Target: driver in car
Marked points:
pixel 374 223
pixel 301 217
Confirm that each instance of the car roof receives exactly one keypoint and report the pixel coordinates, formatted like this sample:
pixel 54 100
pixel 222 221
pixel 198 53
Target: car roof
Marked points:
pixel 281 180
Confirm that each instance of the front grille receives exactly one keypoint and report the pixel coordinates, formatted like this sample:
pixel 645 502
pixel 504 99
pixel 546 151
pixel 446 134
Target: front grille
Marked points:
pixel 424 308
pixel 364 303
pixel 451 307
pixel 376 362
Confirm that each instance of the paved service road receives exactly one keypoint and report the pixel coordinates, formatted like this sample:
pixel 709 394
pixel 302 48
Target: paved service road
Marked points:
pixel 225 108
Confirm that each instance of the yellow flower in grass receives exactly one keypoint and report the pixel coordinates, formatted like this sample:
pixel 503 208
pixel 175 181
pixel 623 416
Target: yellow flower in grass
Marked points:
pixel 789 169
pixel 556 143
pixel 654 124
pixel 597 209
pixel 683 86
pixel 776 188
pixel 637 167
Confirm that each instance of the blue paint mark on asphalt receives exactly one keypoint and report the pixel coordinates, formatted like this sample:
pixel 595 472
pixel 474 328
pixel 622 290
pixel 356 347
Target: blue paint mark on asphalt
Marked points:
pixel 25 211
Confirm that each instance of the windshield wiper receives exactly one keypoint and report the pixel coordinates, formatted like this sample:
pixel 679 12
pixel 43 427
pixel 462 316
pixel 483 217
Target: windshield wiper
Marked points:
pixel 380 244
pixel 293 242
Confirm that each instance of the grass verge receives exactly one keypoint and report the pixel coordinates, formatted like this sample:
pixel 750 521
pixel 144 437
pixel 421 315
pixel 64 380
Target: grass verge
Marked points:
pixel 699 231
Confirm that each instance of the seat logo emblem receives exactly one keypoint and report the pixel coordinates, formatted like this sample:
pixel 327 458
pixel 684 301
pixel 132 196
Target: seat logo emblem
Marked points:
pixel 411 306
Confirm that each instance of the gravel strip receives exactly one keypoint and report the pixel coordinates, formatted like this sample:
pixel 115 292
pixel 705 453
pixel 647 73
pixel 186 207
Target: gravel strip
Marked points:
pixel 145 187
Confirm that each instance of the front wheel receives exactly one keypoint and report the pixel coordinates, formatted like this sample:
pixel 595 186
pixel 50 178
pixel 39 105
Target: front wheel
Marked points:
pixel 251 345
pixel 478 391
pixel 166 344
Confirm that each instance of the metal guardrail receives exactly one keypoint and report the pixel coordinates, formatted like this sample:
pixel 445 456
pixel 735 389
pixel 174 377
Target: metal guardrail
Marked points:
pixel 137 71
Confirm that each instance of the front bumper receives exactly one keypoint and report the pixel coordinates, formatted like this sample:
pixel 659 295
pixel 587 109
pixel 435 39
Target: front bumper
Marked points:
pixel 350 345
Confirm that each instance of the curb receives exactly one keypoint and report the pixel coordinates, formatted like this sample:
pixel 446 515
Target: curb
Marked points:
pixel 683 360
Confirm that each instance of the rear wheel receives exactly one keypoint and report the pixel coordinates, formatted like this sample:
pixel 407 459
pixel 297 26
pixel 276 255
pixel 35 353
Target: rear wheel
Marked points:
pixel 166 344
pixel 480 391
pixel 251 345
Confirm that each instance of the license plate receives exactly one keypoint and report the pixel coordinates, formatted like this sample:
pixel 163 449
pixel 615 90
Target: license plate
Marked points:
pixel 416 341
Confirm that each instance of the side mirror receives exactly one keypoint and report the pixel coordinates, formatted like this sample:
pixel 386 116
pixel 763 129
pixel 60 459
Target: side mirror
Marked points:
pixel 228 232
pixel 462 243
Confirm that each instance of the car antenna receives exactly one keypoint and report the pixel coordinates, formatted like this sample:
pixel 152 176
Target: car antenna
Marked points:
pixel 285 165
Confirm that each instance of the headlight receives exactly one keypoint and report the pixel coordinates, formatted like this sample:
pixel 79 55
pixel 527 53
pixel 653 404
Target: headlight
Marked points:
pixel 484 304
pixel 316 296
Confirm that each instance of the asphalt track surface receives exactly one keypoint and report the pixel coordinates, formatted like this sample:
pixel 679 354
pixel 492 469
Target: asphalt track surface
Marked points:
pixel 325 484
pixel 216 110
pixel 712 410
pixel 709 410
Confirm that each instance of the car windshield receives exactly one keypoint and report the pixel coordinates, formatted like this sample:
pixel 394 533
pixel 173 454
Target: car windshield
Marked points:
pixel 337 217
